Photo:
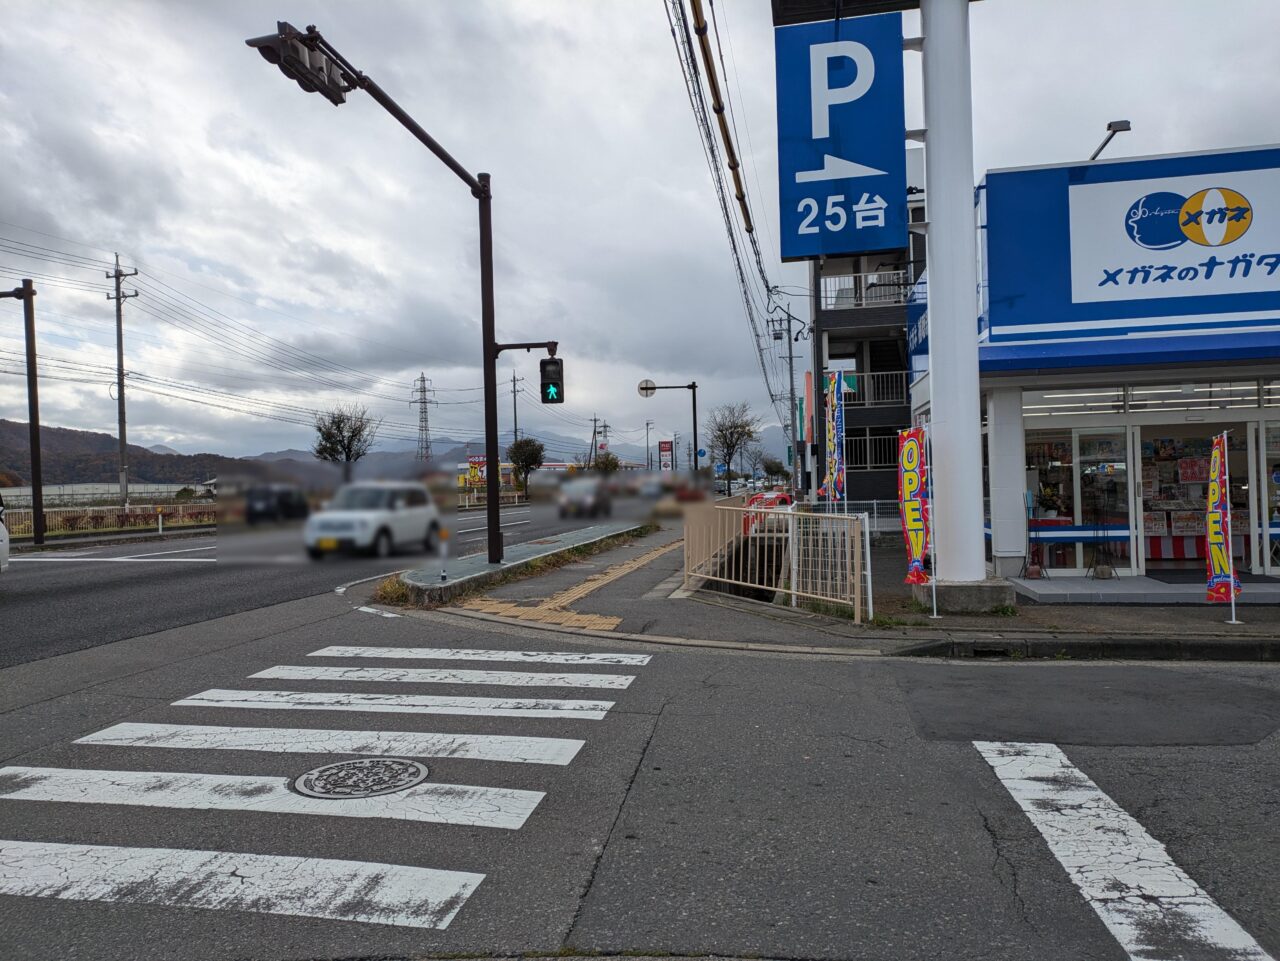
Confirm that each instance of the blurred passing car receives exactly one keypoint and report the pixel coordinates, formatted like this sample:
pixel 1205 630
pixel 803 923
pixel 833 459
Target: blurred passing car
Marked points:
pixel 275 502
pixel 585 497
pixel 377 517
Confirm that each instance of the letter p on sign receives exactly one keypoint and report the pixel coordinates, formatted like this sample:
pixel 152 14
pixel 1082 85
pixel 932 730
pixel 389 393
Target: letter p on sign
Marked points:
pixel 821 96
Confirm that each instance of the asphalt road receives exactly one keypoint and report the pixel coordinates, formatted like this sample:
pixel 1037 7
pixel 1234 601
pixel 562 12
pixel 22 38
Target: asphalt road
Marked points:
pixel 67 599
pixel 719 803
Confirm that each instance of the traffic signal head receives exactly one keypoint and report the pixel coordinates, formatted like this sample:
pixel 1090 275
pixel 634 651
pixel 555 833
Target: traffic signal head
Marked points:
pixel 552 371
pixel 311 69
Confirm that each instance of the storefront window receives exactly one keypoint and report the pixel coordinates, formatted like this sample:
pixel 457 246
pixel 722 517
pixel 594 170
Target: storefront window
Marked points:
pixel 1051 499
pixel 1271 509
pixel 1104 499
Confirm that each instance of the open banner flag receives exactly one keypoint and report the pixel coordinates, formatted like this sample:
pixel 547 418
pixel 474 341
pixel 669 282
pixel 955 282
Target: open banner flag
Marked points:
pixel 1224 586
pixel 833 483
pixel 913 502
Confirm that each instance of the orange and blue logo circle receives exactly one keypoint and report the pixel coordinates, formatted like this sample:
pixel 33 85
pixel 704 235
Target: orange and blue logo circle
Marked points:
pixel 1213 217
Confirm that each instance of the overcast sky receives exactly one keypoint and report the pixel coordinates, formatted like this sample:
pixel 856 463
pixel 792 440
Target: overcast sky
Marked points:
pixel 266 217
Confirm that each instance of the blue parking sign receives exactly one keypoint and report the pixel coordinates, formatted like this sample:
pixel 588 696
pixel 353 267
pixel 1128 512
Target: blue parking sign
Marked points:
pixel 842 160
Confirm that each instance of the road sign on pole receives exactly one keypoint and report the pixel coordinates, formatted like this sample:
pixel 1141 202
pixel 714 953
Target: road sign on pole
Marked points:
pixel 646 388
pixel 842 169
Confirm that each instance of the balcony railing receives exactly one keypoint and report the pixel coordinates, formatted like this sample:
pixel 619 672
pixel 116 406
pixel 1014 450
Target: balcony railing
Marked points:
pixel 887 389
pixel 884 288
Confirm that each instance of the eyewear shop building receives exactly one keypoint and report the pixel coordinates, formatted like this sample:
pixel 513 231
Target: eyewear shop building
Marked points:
pixel 1131 312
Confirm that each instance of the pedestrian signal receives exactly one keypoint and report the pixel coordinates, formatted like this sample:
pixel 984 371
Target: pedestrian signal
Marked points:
pixel 552 371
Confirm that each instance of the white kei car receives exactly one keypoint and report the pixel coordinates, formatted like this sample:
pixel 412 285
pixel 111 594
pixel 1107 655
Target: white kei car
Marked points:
pixel 4 540
pixel 376 516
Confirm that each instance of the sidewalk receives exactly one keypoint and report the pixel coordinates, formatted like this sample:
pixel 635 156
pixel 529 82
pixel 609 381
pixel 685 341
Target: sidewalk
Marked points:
pixel 635 590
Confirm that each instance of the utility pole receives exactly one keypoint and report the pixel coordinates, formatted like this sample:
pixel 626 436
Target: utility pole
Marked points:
pixel 515 418
pixel 604 435
pixel 27 294
pixel 675 452
pixel 120 297
pixel 648 459
pixel 422 400
pixel 791 376
pixel 591 453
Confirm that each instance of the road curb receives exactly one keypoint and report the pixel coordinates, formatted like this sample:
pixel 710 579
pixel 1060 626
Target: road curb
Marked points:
pixel 434 595
pixel 657 638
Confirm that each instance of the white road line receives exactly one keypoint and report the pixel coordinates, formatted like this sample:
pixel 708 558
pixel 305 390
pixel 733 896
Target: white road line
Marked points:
pixel 183 550
pixel 468 654
pixel 116 560
pixel 223 880
pixel 374 610
pixel 1150 905
pixel 422 675
pixel 472 530
pixel 400 704
pixel 476 747
pixel 487 807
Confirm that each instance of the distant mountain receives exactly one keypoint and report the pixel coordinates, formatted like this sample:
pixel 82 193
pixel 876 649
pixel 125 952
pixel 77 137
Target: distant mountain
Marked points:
pixel 161 449
pixel 85 457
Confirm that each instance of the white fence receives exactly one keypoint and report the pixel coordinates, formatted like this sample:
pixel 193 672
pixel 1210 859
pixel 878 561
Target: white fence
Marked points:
pixel 102 520
pixel 780 553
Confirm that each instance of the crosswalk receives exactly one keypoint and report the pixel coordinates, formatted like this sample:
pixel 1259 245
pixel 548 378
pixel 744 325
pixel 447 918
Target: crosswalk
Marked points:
pixel 381 893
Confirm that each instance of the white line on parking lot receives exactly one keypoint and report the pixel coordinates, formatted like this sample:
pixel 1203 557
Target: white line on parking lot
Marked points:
pixel 1150 905
pixel 264 884
pixel 468 654
pixel 400 704
pixel 477 747
pixel 487 807
pixel 421 675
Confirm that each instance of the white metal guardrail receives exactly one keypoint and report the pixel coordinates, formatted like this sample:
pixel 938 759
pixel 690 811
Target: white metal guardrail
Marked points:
pixel 768 553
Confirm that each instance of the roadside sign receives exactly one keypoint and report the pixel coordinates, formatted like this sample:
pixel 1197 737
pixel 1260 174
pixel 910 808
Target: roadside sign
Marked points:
pixel 702 452
pixel 842 167
pixel 646 388
pixel 665 461
pixel 720 469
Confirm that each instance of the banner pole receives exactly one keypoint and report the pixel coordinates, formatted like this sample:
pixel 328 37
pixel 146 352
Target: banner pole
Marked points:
pixel 1231 556
pixel 933 543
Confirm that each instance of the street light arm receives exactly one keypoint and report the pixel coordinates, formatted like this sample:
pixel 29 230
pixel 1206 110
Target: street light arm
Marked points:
pixel 315 39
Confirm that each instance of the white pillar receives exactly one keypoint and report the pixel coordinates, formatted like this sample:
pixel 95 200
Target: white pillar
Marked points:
pixel 1007 466
pixel 953 284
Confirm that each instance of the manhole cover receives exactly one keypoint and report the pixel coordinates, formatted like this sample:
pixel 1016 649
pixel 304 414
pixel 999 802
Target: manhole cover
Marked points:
pixel 367 777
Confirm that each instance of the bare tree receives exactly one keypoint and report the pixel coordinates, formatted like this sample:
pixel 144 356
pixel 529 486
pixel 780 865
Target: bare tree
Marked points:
pixel 344 434
pixel 607 463
pixel 526 456
pixel 730 428
pixel 755 459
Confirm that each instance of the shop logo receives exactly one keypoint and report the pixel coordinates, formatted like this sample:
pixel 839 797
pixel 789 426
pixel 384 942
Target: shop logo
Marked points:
pixel 1213 217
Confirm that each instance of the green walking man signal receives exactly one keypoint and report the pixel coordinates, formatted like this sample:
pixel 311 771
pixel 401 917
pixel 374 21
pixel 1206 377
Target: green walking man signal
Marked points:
pixel 552 371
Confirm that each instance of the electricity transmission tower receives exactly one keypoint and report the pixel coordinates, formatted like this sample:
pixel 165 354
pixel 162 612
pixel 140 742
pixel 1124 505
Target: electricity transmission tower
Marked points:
pixel 421 390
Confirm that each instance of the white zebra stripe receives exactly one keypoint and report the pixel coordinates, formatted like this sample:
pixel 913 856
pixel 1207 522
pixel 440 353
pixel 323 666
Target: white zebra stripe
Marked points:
pixel 223 880
pixel 467 654
pixel 1149 904
pixel 399 703
pixel 476 747
pixel 429 802
pixel 422 675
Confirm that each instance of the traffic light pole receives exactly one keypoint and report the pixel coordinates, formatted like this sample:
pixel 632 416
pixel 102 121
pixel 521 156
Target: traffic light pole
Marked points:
pixel 693 387
pixel 480 189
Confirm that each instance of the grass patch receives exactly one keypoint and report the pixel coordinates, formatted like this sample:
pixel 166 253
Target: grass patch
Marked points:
pixel 393 592
pixel 1004 610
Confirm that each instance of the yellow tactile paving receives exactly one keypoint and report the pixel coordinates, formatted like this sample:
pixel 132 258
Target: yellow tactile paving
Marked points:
pixel 555 609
